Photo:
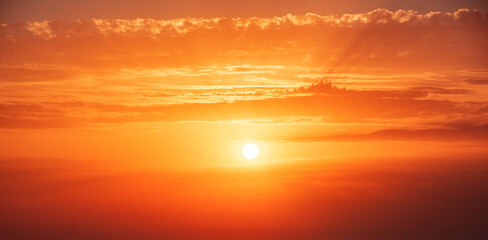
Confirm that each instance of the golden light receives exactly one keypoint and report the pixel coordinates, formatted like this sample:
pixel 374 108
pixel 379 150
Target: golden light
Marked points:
pixel 250 151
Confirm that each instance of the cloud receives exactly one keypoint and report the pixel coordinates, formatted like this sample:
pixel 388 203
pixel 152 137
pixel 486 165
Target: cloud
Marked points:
pixel 451 132
pixel 379 39
pixel 114 70
pixel 158 28
pixel 439 90
pixel 41 29
pixel 477 81
pixel 318 100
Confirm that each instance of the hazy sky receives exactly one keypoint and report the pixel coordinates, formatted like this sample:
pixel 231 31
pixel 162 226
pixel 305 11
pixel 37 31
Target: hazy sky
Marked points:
pixel 22 10
pixel 123 120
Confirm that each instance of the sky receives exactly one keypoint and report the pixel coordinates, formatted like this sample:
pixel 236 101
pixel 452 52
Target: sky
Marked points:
pixel 127 119
pixel 24 10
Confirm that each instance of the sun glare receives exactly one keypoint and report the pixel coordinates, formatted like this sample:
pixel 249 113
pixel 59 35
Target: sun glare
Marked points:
pixel 250 151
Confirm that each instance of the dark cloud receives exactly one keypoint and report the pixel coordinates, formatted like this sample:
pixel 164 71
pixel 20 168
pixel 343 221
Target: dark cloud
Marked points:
pixel 478 81
pixel 453 132
pixel 438 90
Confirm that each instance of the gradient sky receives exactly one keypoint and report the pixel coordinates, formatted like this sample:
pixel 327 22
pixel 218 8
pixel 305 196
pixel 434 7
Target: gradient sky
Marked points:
pixel 122 119
pixel 25 10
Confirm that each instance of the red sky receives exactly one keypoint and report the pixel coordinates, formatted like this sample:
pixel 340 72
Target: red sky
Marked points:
pixel 126 120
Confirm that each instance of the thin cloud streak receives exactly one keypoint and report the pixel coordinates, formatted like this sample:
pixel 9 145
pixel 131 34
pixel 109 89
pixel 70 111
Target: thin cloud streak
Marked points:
pixel 465 132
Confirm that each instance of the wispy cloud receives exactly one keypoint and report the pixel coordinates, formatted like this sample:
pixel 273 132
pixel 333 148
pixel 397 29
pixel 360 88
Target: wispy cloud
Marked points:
pixel 318 100
pixel 451 132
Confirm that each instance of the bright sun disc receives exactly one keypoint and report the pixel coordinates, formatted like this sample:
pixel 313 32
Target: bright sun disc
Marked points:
pixel 250 151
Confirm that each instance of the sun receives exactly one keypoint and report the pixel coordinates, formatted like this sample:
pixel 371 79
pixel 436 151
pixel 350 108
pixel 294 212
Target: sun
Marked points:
pixel 250 151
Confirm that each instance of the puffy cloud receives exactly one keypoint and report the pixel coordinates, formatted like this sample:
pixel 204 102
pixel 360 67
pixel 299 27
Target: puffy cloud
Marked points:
pixel 41 29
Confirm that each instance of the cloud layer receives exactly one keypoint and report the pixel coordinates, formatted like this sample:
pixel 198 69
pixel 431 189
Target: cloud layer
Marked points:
pixel 380 39
pixel 386 67
pixel 163 28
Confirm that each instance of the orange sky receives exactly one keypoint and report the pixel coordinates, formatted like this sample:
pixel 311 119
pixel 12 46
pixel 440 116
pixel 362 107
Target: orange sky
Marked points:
pixel 307 77
pixel 28 10
pixel 133 115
